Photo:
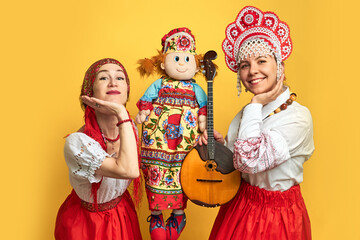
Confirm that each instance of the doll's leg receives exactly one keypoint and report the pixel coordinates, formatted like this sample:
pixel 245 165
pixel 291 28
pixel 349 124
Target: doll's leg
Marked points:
pixel 175 224
pixel 157 226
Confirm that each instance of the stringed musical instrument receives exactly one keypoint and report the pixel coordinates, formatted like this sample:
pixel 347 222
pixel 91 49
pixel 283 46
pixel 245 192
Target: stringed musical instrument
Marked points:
pixel 208 177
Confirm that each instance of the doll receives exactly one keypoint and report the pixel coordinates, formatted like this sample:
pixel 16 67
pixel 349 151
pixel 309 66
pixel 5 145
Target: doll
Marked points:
pixel 173 114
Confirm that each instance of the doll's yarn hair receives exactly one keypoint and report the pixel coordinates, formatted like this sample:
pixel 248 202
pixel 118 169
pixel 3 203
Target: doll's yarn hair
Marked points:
pixel 149 66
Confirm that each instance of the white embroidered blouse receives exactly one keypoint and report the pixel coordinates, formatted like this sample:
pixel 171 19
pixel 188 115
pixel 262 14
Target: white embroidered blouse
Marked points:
pixel 83 155
pixel 270 151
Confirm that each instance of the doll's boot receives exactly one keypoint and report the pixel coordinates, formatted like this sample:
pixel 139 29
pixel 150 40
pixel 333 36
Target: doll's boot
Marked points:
pixel 157 227
pixel 175 225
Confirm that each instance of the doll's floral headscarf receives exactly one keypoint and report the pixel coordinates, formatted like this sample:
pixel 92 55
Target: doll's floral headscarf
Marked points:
pixel 179 40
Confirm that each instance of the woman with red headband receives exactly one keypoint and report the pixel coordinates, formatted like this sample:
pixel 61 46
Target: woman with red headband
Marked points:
pixel 102 160
pixel 271 137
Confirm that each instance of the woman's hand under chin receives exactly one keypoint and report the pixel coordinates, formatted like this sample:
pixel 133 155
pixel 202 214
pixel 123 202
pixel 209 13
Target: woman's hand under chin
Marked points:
pixel 265 98
pixel 106 107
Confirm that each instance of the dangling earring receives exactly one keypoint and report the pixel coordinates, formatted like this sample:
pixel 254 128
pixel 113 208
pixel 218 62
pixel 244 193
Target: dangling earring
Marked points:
pixel 238 84
pixel 279 70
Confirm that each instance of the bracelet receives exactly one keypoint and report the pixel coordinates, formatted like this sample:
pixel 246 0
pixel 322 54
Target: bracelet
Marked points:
pixel 123 121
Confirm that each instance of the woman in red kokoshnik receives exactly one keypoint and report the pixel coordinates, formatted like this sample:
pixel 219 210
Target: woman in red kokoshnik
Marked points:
pixel 102 160
pixel 271 137
pixel 172 112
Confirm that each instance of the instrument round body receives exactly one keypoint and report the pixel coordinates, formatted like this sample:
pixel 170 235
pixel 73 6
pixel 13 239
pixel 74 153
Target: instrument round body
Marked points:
pixel 207 183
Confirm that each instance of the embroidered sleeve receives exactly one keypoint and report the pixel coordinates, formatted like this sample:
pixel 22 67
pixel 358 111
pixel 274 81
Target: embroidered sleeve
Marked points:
pixel 257 149
pixel 83 155
pixel 200 95
pixel 258 154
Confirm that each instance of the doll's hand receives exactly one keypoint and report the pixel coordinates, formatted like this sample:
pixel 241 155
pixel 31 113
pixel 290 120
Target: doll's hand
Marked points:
pixel 202 123
pixel 141 116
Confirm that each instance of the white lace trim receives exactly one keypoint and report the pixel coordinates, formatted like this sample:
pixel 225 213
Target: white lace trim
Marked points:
pixel 84 156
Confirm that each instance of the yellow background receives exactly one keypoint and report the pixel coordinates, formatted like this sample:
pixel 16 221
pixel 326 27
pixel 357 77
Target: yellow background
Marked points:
pixel 46 47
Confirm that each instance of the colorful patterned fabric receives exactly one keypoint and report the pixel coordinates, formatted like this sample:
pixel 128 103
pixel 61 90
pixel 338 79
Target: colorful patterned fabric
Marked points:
pixel 169 133
pixel 152 93
pixel 179 40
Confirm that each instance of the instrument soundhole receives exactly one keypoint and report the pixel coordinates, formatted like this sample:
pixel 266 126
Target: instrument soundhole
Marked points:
pixel 210 165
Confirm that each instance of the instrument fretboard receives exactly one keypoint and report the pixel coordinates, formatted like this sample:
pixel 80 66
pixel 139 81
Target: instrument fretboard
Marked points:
pixel 210 121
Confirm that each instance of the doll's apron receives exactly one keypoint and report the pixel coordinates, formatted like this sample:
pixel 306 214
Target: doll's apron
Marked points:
pixel 169 133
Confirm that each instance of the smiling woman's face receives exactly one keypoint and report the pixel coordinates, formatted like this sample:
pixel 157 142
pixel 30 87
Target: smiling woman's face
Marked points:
pixel 258 73
pixel 180 66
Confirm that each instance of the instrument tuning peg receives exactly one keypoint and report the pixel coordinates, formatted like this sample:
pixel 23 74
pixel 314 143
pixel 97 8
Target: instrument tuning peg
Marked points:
pixel 202 66
pixel 203 72
pixel 201 60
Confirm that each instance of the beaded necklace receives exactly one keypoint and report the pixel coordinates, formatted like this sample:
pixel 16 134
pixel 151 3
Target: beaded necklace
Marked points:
pixel 284 105
pixel 110 140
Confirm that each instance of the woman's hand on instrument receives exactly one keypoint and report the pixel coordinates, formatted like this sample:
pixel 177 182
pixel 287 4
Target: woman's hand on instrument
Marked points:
pixel 265 98
pixel 217 136
pixel 106 107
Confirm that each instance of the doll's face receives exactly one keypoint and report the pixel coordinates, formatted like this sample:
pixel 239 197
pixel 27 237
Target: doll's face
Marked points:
pixel 180 66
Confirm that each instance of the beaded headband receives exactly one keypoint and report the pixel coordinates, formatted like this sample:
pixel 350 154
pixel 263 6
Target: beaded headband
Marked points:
pixel 256 33
pixel 179 40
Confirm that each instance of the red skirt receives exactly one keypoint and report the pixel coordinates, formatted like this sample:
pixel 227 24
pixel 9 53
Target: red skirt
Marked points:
pixel 256 214
pixel 77 221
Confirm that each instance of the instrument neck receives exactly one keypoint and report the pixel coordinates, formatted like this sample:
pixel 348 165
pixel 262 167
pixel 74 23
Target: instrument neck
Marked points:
pixel 210 121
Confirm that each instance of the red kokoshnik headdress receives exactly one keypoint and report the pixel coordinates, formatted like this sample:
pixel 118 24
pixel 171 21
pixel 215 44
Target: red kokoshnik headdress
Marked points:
pixel 254 31
pixel 250 24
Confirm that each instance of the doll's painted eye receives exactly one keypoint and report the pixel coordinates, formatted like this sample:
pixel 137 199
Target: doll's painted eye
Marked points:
pixel 177 58
pixel 187 59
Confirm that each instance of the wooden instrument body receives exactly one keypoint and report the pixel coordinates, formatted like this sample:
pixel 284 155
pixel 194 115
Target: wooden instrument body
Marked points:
pixel 207 176
pixel 203 184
